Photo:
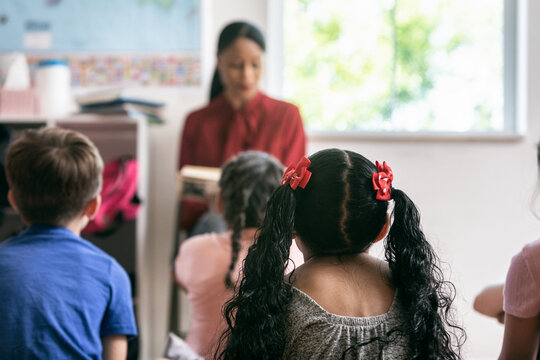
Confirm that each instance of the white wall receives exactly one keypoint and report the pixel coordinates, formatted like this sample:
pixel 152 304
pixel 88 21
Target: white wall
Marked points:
pixel 473 195
pixel 164 145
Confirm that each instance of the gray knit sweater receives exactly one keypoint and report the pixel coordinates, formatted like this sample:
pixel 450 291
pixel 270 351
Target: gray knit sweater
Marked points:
pixel 314 333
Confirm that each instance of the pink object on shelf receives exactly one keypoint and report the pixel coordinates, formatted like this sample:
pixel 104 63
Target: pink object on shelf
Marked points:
pixel 18 102
pixel 118 196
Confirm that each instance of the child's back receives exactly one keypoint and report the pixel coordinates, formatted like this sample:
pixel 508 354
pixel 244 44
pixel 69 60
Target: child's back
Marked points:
pixel 62 297
pixel 349 285
pixel 339 302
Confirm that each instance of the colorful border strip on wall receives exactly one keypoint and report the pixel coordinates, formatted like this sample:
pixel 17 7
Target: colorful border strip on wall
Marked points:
pixel 145 70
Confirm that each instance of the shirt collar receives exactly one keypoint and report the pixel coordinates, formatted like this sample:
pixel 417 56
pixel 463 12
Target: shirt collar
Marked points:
pixel 251 104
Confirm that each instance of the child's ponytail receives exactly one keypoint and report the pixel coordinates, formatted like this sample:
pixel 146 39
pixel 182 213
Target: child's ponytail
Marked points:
pixel 256 315
pixel 237 222
pixel 246 183
pixel 426 298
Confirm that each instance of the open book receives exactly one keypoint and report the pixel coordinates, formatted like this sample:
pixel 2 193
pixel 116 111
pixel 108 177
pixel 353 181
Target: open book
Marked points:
pixel 199 183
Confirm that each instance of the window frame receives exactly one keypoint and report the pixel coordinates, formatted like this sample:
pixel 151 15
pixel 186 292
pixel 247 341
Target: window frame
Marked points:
pixel 513 109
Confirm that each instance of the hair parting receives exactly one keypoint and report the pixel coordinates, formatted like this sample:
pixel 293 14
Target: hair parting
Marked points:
pixel 345 211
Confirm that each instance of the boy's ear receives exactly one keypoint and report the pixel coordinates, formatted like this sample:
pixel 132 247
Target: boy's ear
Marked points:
pixel 384 230
pixel 11 200
pixel 92 207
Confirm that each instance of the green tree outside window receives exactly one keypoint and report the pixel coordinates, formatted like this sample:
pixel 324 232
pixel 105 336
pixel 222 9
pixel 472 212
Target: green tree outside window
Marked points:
pixel 396 64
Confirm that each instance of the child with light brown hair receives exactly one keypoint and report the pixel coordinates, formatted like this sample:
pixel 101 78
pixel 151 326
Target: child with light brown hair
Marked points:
pixel 62 297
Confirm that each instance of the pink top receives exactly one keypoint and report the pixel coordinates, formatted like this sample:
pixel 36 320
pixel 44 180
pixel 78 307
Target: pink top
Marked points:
pixel 522 290
pixel 200 268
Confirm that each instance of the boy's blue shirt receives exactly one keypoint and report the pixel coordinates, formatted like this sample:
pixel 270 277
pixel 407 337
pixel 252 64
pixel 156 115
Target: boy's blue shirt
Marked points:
pixel 59 295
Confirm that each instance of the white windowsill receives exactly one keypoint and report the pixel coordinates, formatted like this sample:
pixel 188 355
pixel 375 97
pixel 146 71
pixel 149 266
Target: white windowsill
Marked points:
pixel 424 136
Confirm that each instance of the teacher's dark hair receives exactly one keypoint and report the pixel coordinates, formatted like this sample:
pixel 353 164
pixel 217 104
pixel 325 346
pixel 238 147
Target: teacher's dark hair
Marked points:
pixel 228 36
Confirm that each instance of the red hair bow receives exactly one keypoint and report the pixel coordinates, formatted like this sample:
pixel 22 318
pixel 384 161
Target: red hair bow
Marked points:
pixel 297 176
pixel 382 181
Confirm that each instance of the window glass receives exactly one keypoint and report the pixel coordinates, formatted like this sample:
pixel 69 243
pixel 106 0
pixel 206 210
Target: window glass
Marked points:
pixel 404 65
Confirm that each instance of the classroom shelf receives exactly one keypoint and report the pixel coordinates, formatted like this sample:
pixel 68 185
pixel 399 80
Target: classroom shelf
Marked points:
pixel 114 136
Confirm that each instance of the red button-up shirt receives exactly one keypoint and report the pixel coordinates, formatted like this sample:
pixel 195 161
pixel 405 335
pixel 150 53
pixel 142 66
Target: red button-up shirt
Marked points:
pixel 218 132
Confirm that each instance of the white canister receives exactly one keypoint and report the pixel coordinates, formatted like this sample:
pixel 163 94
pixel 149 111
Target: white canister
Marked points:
pixel 53 87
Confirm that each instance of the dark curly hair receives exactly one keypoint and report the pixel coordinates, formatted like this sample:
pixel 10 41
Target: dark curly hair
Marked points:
pixel 246 183
pixel 337 213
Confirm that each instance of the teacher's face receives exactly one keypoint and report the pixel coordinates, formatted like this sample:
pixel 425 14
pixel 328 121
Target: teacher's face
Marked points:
pixel 239 66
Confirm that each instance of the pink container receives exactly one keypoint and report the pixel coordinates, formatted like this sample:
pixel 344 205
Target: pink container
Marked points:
pixel 18 102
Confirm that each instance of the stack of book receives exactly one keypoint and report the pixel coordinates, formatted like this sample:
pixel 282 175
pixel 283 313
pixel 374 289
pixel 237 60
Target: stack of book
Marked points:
pixel 112 101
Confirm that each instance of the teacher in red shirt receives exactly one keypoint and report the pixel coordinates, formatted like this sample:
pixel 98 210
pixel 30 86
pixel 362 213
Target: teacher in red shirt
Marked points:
pixel 240 116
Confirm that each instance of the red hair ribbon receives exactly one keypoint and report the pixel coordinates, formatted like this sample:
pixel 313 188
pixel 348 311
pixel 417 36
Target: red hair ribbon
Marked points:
pixel 297 176
pixel 382 181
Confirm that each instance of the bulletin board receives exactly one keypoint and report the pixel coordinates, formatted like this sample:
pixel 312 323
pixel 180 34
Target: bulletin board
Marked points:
pixel 150 42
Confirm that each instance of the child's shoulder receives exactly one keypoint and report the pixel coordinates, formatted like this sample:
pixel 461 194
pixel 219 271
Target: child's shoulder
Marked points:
pixel 532 247
pixel 206 242
pixel 529 255
pixel 56 241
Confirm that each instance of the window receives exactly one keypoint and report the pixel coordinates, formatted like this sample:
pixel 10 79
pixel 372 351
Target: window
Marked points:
pixel 401 65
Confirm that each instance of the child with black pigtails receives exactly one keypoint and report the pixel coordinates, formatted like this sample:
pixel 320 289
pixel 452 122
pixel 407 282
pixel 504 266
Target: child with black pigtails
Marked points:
pixel 208 265
pixel 341 303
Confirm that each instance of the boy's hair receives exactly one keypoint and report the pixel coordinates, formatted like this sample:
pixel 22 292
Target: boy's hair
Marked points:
pixel 53 173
